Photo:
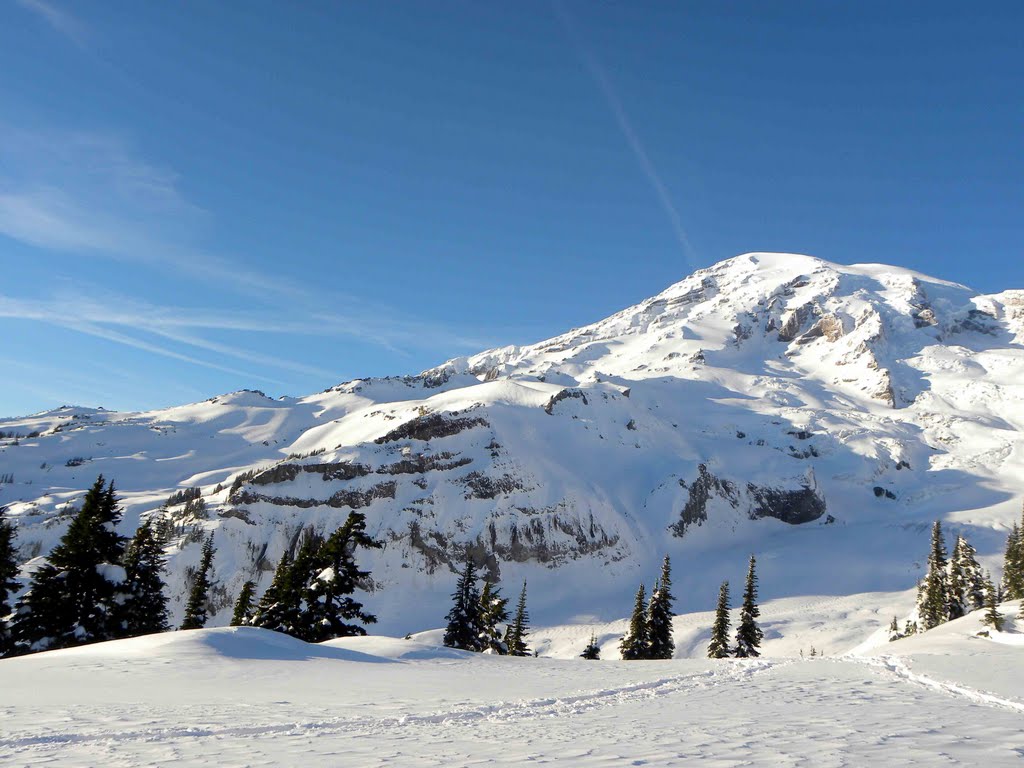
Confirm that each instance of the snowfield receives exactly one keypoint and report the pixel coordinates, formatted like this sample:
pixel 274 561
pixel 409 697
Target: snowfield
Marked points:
pixel 248 697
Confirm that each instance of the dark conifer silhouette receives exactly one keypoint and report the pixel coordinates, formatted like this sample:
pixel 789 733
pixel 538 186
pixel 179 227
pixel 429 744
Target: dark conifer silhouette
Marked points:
pixel 659 616
pixel 718 648
pixel 75 597
pixel 465 628
pixel 748 633
pixel 519 629
pixel 635 643
pixel 145 604
pixel 195 608
pixel 244 604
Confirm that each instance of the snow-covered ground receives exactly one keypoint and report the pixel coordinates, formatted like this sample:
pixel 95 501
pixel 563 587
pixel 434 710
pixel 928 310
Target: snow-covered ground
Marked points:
pixel 247 697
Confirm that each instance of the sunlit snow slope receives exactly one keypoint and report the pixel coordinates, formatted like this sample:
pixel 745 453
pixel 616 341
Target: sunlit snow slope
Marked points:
pixel 818 415
pixel 257 698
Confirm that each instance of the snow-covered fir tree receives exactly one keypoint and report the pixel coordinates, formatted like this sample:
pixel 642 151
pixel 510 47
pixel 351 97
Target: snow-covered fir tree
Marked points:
pixel 635 643
pixel 593 651
pixel 494 613
pixel 748 633
pixel 199 594
pixel 328 608
pixel 75 597
pixel 519 629
pixel 718 648
pixel 465 628
pixel 145 604
pixel 933 591
pixel 659 616
pixel 8 579
pixel 966 580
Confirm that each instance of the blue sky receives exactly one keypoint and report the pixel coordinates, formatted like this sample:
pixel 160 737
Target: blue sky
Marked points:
pixel 199 197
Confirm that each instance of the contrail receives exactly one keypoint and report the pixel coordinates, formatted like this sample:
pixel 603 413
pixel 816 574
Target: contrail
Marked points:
pixel 597 71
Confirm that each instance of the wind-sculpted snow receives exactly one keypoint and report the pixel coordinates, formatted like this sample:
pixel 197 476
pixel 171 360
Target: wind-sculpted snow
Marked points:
pixel 815 414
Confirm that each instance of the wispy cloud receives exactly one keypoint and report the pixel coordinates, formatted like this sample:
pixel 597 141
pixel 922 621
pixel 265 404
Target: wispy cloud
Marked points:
pixel 59 20
pixel 600 76
pixel 183 333
pixel 91 195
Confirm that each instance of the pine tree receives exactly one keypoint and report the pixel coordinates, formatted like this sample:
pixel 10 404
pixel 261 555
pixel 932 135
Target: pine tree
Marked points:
pixel 328 608
pixel 933 592
pixel 718 648
pixel 243 605
pixel 519 629
pixel 75 597
pixel 8 579
pixel 636 644
pixel 144 609
pixel 992 616
pixel 748 633
pixel 659 616
pixel 494 613
pixel 195 609
pixel 593 651
pixel 1013 565
pixel 465 624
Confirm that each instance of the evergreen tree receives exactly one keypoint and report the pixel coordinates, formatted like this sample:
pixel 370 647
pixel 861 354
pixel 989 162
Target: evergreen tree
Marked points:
pixel 519 629
pixel 290 613
pixel 328 608
pixel 1013 565
pixel 659 616
pixel 278 608
pixel 956 598
pixel 144 609
pixel 243 605
pixel 74 598
pixel 636 644
pixel 465 624
pixel 494 613
pixel 195 609
pixel 894 630
pixel 718 648
pixel 992 616
pixel 593 651
pixel 933 592
pixel 8 579
pixel 972 578
pixel 748 633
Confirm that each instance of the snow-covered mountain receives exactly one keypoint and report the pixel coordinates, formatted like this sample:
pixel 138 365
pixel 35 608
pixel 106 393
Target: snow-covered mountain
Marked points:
pixel 816 414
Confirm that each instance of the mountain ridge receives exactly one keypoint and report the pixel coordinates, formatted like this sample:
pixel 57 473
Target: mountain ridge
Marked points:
pixel 754 398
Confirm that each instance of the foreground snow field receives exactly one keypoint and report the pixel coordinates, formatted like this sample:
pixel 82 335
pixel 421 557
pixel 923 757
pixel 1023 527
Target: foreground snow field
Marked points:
pixel 247 697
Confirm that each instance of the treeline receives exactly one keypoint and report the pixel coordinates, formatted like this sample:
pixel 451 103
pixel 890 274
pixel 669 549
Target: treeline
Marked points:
pixel 97 585
pixel 479 620
pixel 955 585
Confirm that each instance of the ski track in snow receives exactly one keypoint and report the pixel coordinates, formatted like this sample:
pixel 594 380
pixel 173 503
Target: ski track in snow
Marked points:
pixel 566 706
pixel 898 668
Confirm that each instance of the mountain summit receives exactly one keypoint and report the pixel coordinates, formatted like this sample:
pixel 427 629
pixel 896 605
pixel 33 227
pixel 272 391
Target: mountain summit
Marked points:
pixel 818 414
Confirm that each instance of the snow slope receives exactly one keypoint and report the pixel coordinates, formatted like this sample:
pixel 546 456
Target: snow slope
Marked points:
pixel 819 415
pixel 251 697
